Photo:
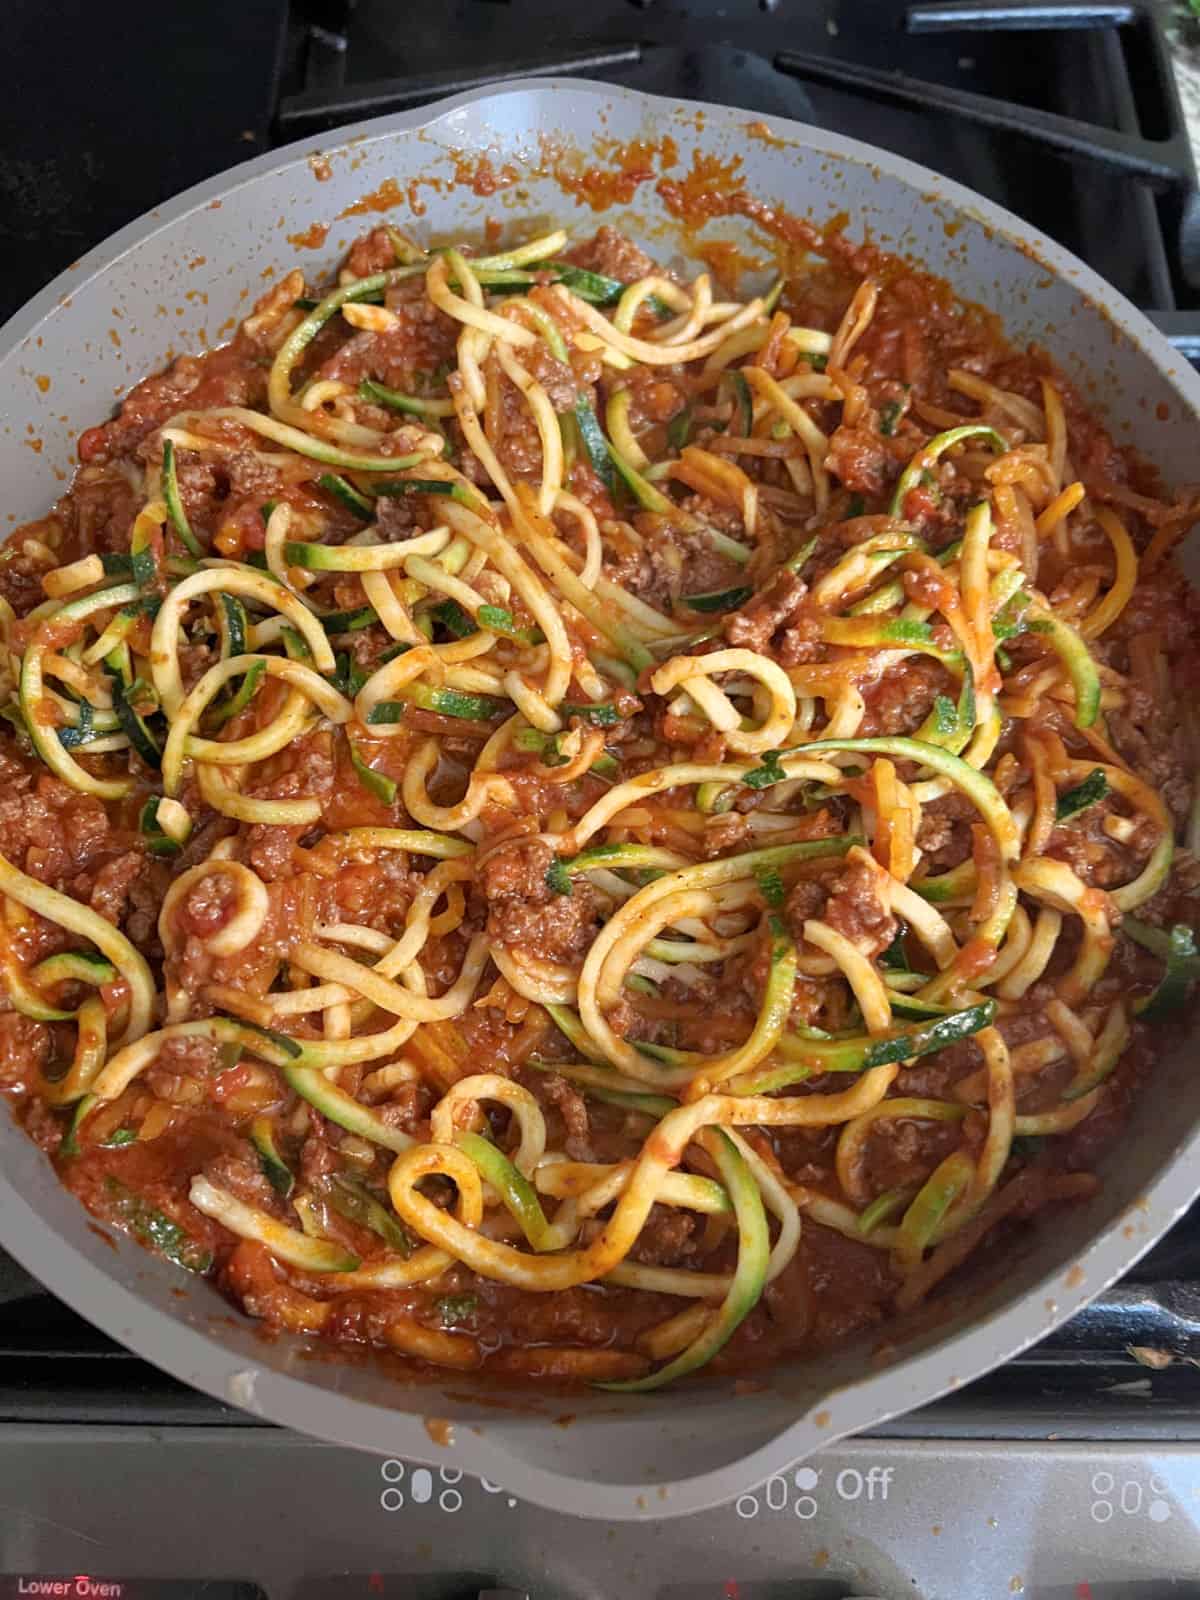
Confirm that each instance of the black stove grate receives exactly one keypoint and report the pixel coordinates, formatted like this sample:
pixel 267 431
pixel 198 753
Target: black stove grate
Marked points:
pixel 1163 160
pixel 1066 113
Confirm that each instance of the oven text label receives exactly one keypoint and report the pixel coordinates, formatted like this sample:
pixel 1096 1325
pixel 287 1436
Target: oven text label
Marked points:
pixel 88 1588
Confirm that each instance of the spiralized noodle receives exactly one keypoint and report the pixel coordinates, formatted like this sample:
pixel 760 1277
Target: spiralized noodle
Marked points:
pixel 628 805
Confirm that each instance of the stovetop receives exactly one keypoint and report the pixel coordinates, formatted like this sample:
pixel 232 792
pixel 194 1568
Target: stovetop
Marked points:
pixel 1074 1471
pixel 1064 110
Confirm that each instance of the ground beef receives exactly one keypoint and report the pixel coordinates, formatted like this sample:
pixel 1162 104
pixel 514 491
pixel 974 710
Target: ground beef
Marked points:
pixel 656 394
pixel 801 642
pixel 900 700
pixel 579 1316
pixel 629 1023
pixel 614 256
pixel 317 1156
pixel 202 488
pixel 43 1126
pixel 192 1058
pixel 233 375
pixel 21 569
pixel 805 900
pixel 572 1108
pixel 788 1298
pixel 269 850
pixel 1090 853
pixel 651 574
pixel 671 562
pixel 667 1239
pixel 195 658
pixel 724 834
pixel 519 445
pixel 54 834
pixel 104 506
pixel 560 930
pixel 378 893
pixel 374 252
pixel 517 871
pixel 249 477
pixel 1177 901
pixel 114 884
pixel 1157 763
pixel 714 512
pixel 176 1088
pixel 408 1109
pixel 242 1176
pixel 145 902
pixel 525 911
pixel 405 357
pixel 903 1152
pixel 24 1050
pixel 395 517
pixel 860 460
pixel 855 909
pixel 1163 605
pixel 558 380
pixel 189 970
pixel 207 905
pixel 944 837
pixel 850 1284
pixel 754 625
pixel 306 769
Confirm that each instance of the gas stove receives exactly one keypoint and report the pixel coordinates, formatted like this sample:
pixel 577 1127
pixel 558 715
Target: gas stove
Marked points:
pixel 1072 1473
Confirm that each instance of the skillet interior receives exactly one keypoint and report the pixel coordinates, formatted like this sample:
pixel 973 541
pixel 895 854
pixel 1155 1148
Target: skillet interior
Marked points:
pixel 174 282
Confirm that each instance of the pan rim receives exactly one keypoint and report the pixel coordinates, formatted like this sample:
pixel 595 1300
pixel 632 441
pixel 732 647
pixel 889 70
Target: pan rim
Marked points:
pixel 200 1358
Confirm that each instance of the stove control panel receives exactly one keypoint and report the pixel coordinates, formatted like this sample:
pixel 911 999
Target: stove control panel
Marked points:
pixel 219 1513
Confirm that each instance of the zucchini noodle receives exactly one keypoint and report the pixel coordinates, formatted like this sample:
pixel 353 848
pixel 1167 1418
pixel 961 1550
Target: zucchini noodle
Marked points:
pixel 594 781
